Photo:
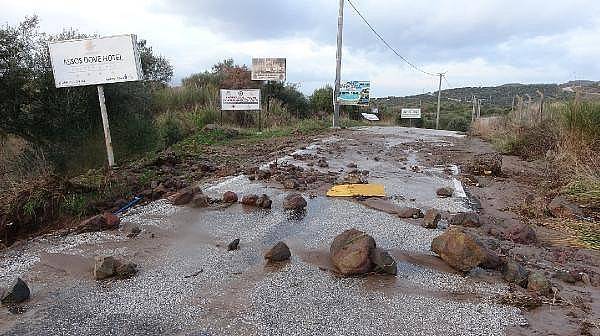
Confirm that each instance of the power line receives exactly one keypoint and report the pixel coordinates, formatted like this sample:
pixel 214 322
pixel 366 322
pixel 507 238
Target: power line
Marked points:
pixel 387 44
pixel 449 86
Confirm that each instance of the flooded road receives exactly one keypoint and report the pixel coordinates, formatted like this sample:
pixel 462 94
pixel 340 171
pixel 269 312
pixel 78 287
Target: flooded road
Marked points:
pixel 189 284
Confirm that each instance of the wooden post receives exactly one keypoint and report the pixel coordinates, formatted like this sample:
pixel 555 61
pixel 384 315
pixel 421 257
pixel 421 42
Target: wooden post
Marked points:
pixel 107 140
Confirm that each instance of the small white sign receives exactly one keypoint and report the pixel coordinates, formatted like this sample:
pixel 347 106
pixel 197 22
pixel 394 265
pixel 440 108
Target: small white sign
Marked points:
pixel 240 100
pixel 375 110
pixel 414 113
pixel 370 116
pixel 94 61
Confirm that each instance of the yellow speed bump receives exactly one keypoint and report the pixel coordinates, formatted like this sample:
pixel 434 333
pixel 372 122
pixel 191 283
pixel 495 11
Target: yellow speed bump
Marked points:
pixel 350 190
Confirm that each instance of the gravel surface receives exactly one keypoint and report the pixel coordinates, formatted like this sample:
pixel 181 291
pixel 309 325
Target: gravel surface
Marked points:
pixel 190 285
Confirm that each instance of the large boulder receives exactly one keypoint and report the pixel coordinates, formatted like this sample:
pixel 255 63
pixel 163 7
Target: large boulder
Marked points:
pixel 17 293
pixel 383 262
pixel 294 201
pixel 560 207
pixel 459 250
pixel 279 252
pixel 487 164
pixel 182 197
pixel 537 282
pixel 125 270
pixel 467 219
pixel 350 252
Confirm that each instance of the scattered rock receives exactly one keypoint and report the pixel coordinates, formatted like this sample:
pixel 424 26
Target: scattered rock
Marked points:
pixel 249 200
pixel 200 201
pixel 585 278
pixel 291 184
pixel 230 197
pixel 407 212
pixel 103 222
pixel 521 233
pixel 182 197
pixel 487 164
pixel 560 207
pixel 354 178
pixel 466 219
pixel 264 202
pixel 263 174
pixel 104 267
pixel 459 250
pixel 294 201
pixel 234 245
pixel 279 252
pixel 431 219
pixel 445 192
pixel 513 272
pixel 537 282
pixel 384 262
pixel 125 270
pixel 17 293
pixel 134 232
pixel 351 165
pixel 322 163
pixel 350 252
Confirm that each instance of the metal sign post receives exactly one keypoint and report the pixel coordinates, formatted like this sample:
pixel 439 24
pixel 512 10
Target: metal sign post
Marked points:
pixel 107 140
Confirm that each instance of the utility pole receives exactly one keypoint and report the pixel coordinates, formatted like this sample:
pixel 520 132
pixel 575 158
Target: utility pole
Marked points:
pixel 338 67
pixel 437 116
pixel 474 101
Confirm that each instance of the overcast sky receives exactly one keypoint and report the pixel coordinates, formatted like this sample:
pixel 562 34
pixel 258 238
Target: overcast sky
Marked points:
pixel 477 42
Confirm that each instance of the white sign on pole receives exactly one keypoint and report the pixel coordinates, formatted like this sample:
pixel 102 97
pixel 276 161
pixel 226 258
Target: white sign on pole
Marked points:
pixel 94 61
pixel 268 69
pixel 410 113
pixel 375 110
pixel 240 100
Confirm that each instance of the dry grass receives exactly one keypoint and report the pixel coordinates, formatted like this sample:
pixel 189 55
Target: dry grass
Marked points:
pixel 20 161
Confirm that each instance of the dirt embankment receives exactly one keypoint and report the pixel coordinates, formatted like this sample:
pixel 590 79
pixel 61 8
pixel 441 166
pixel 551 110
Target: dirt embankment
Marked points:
pixel 51 203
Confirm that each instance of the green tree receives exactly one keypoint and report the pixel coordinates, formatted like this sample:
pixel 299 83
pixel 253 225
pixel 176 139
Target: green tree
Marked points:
pixel 322 100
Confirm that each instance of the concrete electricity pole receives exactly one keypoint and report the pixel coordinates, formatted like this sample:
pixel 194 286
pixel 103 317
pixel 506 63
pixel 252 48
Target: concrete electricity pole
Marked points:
pixel 437 116
pixel 338 67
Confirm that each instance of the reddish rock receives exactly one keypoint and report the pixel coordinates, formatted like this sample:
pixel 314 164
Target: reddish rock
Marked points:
pixel 294 201
pixel 182 197
pixel 279 252
pixel 249 200
pixel 200 201
pixel 467 219
pixel 407 212
pixel 445 192
pixel 230 197
pixel 103 222
pixel 264 202
pixel 350 252
pixel 459 250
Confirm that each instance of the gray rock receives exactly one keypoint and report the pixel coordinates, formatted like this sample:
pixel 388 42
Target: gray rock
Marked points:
pixel 521 233
pixel 384 262
pixel 234 245
pixel 568 277
pixel 467 219
pixel 200 201
pixel 104 267
pixel 17 293
pixel 264 202
pixel 431 219
pixel 537 282
pixel 513 272
pixel 279 252
pixel 291 184
pixel 134 232
pixel 126 270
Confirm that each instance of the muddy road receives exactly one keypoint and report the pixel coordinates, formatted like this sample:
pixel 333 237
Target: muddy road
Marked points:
pixel 189 284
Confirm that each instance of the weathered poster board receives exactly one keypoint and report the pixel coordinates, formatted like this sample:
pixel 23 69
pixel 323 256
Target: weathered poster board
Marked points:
pixel 240 100
pixel 269 69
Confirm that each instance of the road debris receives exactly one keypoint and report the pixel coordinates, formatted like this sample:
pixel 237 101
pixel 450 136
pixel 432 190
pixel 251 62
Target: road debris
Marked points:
pixel 459 250
pixel 17 293
pixel 279 252
pixel 353 190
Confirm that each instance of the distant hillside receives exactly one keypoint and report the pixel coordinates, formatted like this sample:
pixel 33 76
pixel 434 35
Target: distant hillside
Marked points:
pixel 497 96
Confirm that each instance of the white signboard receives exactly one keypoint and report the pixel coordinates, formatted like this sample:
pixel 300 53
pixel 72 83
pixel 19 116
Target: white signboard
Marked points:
pixel 240 100
pixel 375 110
pixel 370 116
pixel 95 61
pixel 268 69
pixel 411 113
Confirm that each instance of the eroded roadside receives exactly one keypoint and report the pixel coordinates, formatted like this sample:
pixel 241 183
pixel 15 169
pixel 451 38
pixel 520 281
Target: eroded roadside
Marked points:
pixel 190 284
